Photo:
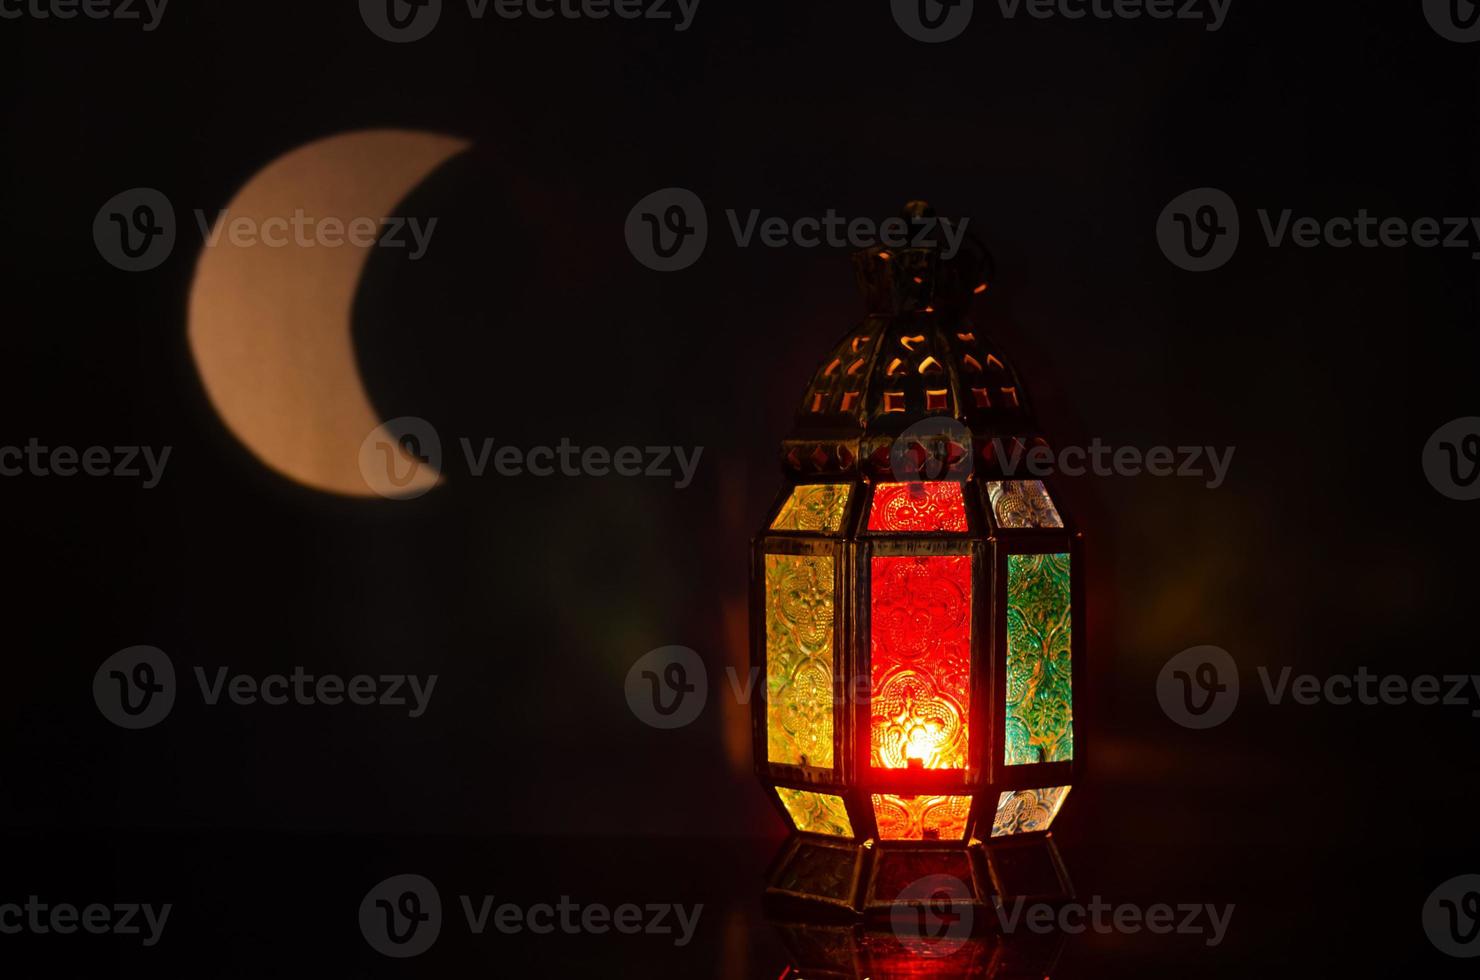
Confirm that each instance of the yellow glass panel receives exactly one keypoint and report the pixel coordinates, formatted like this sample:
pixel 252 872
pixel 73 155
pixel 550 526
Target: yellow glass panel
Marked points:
pixel 799 660
pixel 816 813
pixel 817 507
pixel 1027 810
pixel 922 817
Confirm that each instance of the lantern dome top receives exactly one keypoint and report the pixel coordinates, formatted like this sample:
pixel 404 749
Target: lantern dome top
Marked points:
pixel 915 370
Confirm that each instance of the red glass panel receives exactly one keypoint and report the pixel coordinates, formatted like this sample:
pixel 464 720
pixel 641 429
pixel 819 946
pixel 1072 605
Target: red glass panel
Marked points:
pixel 925 506
pixel 921 661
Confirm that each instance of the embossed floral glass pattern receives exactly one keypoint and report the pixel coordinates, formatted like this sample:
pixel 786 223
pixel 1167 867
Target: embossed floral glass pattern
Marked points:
pixel 1028 810
pixel 1023 503
pixel 921 817
pixel 920 661
pixel 1040 701
pixel 922 506
pixel 816 508
pixel 816 813
pixel 799 660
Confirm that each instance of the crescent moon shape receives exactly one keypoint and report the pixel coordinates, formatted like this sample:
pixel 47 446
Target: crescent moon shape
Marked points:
pixel 270 324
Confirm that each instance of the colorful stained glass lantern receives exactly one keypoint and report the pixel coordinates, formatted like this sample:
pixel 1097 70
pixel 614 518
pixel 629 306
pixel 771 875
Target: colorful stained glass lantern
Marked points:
pixel 917 608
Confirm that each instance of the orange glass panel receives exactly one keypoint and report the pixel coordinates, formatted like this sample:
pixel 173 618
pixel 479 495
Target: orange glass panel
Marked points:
pixel 931 505
pixel 1027 811
pixel 921 817
pixel 816 813
pixel 799 660
pixel 920 661
pixel 817 507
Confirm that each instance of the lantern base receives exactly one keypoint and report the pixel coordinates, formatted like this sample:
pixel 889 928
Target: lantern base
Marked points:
pixel 878 881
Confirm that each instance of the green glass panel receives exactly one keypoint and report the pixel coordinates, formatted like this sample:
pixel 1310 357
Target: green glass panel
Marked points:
pixel 1040 701
pixel 799 660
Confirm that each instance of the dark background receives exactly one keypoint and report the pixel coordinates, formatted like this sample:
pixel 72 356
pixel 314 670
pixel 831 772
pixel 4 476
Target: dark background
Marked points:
pixel 529 321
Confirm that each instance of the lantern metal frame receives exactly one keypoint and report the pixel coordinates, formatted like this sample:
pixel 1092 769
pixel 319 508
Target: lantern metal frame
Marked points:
pixel 828 450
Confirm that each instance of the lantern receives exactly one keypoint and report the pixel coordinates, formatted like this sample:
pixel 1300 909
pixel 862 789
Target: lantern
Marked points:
pixel 917 610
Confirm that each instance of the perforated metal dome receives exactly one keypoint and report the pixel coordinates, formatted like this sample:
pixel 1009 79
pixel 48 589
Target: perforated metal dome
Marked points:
pixel 917 367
